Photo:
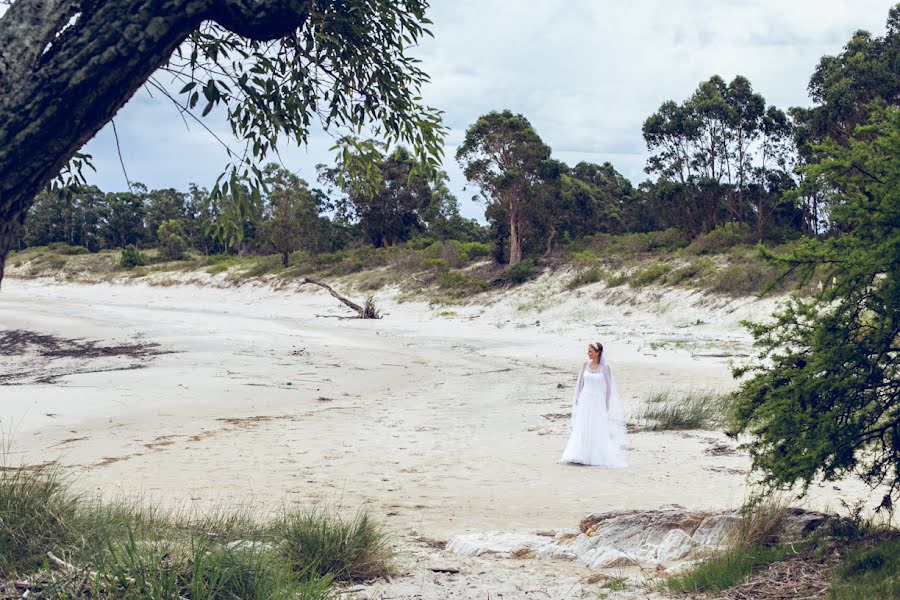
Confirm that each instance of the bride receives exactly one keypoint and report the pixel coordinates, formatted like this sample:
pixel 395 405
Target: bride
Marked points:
pixel 598 435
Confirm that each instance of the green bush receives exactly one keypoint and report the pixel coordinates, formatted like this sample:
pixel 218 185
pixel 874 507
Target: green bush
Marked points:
pixel 651 274
pixel 436 264
pixel 616 280
pixel 455 280
pixel 722 238
pixel 419 243
pixel 522 271
pixel 587 277
pixel 67 250
pixel 475 250
pixel 131 257
pixel 690 273
pixel 171 241
pixel 743 278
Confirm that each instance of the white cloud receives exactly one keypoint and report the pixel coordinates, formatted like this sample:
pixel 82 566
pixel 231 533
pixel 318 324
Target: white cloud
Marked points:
pixel 586 73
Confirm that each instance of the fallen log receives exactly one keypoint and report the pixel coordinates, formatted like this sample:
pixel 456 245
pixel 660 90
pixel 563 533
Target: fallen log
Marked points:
pixel 365 312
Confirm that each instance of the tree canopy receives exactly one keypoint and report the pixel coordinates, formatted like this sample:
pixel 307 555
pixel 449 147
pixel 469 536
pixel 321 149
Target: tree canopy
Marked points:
pixel 276 67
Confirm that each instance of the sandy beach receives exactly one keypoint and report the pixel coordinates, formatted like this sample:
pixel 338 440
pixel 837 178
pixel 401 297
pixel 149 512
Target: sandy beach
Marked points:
pixel 439 420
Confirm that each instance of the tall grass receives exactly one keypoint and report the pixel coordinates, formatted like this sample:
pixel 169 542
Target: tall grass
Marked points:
pixel 696 409
pixel 130 551
pixel 322 541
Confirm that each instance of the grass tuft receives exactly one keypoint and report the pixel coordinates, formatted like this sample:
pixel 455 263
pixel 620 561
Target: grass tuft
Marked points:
pixel 352 549
pixel 697 409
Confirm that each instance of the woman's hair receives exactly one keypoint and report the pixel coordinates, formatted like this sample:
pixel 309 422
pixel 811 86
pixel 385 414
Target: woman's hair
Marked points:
pixel 598 348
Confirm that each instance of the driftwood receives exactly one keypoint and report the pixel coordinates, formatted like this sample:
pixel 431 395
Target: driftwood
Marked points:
pixel 365 312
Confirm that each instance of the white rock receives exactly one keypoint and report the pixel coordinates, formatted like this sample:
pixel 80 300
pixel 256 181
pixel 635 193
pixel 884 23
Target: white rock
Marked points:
pixel 495 543
pixel 675 546
pixel 612 558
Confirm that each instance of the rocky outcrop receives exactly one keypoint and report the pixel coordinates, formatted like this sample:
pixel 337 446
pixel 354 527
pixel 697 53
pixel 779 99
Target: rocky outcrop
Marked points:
pixel 664 537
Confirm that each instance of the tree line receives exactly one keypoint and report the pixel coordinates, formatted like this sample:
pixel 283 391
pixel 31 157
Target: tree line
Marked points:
pixel 722 157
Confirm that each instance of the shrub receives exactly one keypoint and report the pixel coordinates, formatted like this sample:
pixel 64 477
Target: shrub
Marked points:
pixel 436 264
pixel 651 274
pixel 722 238
pixel 744 278
pixel 171 243
pixel 67 250
pixel 616 280
pixel 419 243
pixel 690 273
pixel 454 280
pixel 131 257
pixel 587 277
pixel 522 271
pixel 475 250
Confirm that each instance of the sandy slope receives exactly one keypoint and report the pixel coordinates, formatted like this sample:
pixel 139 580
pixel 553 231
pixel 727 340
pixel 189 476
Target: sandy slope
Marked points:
pixel 440 424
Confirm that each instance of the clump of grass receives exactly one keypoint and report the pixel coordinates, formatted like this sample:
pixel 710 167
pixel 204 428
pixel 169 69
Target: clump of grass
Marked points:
pixel 727 569
pixel 655 272
pixel 38 514
pixel 586 277
pixel 871 570
pixel 354 549
pixel 743 278
pixel 697 409
pixel 690 273
pixel 522 271
pixel 616 280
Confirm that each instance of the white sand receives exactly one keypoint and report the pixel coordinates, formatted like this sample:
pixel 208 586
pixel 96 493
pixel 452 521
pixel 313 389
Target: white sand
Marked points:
pixel 435 423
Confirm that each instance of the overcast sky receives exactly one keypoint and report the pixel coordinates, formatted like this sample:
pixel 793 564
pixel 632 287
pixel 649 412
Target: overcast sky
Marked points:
pixel 586 73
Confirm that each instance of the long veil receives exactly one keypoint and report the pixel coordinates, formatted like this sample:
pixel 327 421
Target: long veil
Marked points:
pixel 618 430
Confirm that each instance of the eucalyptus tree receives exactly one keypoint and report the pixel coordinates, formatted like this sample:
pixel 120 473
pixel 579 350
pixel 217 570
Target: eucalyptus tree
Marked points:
pixel 505 157
pixel 383 191
pixel 275 66
pixel 720 147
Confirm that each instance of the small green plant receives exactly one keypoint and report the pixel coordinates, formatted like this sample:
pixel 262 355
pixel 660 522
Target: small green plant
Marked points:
pixel 690 274
pixel 587 277
pixel 131 257
pixel 651 274
pixel 616 280
pixel 522 271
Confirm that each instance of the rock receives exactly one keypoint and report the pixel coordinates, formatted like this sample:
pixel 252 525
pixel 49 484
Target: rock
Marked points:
pixel 677 545
pixel 612 558
pixel 503 544
pixel 650 538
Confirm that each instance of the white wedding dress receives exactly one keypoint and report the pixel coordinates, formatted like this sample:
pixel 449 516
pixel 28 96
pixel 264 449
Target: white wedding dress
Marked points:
pixel 598 437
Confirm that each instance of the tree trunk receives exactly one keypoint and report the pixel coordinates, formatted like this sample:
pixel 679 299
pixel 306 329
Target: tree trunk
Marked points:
pixel 515 236
pixel 285 256
pixel 365 312
pixel 62 83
